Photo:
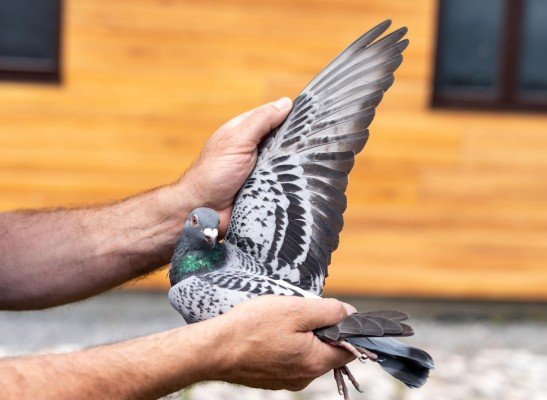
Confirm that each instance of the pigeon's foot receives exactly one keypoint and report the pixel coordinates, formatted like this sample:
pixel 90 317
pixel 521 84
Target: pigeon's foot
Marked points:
pixel 341 384
pixel 347 372
pixel 359 352
pixel 369 354
pixel 362 354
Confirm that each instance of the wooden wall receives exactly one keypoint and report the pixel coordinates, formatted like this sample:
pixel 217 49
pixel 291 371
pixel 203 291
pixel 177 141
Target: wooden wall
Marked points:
pixel 450 204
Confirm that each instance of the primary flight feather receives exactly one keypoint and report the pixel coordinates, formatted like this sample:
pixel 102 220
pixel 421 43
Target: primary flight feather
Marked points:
pixel 287 217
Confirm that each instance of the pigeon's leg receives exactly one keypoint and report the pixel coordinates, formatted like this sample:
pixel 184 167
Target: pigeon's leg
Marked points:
pixel 359 353
pixel 347 372
pixel 339 378
pixel 369 354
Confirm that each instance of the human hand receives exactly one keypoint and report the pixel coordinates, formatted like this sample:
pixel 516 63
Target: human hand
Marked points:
pixel 229 157
pixel 268 342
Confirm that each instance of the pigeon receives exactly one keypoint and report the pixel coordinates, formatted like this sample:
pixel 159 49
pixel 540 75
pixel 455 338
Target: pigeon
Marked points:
pixel 288 215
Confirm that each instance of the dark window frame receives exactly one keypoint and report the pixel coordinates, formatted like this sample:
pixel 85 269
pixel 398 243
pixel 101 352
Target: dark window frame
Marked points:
pixel 508 98
pixel 37 73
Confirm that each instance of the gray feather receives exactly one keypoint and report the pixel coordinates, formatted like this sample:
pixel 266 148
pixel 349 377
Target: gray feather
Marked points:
pixel 308 158
pixel 288 215
pixel 406 363
pixel 391 347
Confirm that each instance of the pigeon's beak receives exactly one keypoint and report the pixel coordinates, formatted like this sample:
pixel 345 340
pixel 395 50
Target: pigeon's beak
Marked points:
pixel 211 236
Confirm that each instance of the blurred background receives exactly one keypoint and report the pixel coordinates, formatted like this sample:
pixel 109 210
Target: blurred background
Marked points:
pixel 447 213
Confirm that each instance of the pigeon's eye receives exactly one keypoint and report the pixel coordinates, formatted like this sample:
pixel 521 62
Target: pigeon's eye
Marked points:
pixel 195 220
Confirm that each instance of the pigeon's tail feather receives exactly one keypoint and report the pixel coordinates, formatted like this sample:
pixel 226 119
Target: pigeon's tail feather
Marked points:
pixel 373 331
pixel 408 364
pixel 412 375
pixel 392 347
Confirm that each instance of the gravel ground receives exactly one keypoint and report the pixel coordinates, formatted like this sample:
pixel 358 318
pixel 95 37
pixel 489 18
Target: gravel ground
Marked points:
pixel 482 350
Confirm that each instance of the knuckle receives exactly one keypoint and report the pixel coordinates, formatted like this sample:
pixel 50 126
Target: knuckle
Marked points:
pixel 337 308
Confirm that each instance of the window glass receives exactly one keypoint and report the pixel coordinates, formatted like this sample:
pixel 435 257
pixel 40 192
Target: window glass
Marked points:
pixel 470 46
pixel 29 35
pixel 533 66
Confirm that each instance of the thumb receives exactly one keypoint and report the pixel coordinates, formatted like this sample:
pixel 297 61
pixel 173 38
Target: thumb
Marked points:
pixel 320 313
pixel 254 125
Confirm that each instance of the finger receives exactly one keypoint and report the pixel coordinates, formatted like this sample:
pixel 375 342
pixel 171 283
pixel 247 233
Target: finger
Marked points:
pixel 231 124
pixel 238 119
pixel 300 385
pixel 225 216
pixel 319 313
pixel 262 120
pixel 329 357
pixel 349 308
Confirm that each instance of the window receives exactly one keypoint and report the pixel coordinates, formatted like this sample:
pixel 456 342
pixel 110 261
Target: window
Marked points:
pixel 491 54
pixel 30 40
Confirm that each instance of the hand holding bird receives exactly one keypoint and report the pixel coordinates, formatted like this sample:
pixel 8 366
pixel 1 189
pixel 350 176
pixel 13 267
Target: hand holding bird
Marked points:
pixel 288 215
pixel 269 342
pixel 229 158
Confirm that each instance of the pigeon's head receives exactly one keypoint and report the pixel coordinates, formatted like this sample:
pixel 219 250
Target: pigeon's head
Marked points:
pixel 202 225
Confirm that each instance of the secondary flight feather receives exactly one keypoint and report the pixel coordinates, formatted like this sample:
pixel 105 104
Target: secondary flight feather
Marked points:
pixel 287 217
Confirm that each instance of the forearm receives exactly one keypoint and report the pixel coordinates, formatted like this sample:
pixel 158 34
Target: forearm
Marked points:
pixel 53 257
pixel 50 258
pixel 143 368
pixel 265 342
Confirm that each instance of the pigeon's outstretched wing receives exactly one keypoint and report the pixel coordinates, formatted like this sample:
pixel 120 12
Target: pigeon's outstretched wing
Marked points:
pixel 288 215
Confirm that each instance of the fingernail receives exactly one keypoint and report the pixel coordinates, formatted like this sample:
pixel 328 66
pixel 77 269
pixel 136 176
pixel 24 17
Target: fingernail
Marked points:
pixel 349 308
pixel 283 103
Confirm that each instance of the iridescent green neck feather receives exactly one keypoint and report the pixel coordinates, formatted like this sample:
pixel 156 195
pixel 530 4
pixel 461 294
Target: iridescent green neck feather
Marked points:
pixel 188 262
pixel 194 261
